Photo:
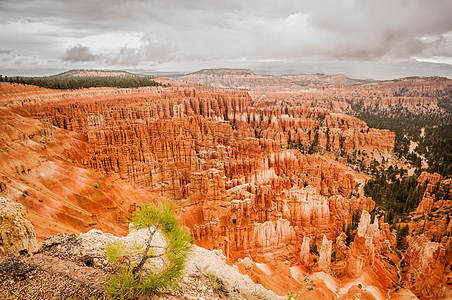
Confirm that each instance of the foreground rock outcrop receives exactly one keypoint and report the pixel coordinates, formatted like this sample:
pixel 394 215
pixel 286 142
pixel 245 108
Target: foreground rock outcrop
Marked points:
pixel 16 231
pixel 76 266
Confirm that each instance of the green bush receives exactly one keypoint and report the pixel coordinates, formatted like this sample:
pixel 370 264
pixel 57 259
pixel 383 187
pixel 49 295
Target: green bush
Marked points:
pixel 132 278
pixel 313 247
pixel 217 283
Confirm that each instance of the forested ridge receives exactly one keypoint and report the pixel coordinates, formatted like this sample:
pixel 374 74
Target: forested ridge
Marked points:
pixel 68 82
pixel 432 132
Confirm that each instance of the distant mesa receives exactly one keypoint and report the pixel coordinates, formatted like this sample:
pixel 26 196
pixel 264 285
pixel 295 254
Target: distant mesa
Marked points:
pixel 248 80
pixel 95 73
pixel 223 71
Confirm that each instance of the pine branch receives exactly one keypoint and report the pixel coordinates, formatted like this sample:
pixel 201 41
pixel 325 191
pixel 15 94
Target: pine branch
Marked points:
pixel 145 257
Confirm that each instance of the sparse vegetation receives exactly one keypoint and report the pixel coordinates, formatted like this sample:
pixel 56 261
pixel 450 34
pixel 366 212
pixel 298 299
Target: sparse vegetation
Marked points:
pixel 313 248
pixel 310 284
pixel 216 283
pixel 293 295
pixel 401 235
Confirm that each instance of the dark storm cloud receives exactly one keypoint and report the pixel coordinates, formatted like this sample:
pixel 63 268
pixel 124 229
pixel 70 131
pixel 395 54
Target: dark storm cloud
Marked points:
pixel 78 53
pixel 367 29
pixel 189 33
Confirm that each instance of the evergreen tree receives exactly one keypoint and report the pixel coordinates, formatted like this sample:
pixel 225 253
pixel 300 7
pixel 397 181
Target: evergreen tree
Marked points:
pixel 132 279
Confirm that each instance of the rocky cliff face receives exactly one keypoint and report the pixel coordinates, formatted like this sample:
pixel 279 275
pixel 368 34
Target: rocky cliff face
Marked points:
pixel 16 231
pixel 428 266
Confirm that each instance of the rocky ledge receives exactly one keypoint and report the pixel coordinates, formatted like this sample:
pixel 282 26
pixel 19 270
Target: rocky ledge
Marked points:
pixel 74 266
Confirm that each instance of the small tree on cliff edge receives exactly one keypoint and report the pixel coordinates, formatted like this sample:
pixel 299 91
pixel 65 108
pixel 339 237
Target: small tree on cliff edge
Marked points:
pixel 132 279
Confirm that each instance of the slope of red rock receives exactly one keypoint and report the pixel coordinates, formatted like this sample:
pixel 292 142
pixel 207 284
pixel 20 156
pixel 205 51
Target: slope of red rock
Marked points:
pixel 41 168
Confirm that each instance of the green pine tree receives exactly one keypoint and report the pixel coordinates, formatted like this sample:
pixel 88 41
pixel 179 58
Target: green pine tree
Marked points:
pixel 133 278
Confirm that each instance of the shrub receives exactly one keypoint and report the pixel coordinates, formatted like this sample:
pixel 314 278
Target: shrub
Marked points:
pixel 333 256
pixel 401 236
pixel 313 247
pixel 216 283
pixel 132 278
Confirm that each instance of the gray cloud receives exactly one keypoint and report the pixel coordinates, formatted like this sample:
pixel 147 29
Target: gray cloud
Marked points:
pixel 184 34
pixel 126 57
pixel 79 53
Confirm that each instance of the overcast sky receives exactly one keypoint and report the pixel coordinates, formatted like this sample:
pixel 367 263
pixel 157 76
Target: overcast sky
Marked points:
pixel 345 36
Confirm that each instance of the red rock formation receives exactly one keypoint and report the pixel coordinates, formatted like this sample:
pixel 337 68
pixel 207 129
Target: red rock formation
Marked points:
pixel 364 246
pixel 118 125
pixel 325 254
pixel 304 251
pixel 428 266
pixel 341 246
pixel 428 182
pixel 272 240
pixel 432 216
